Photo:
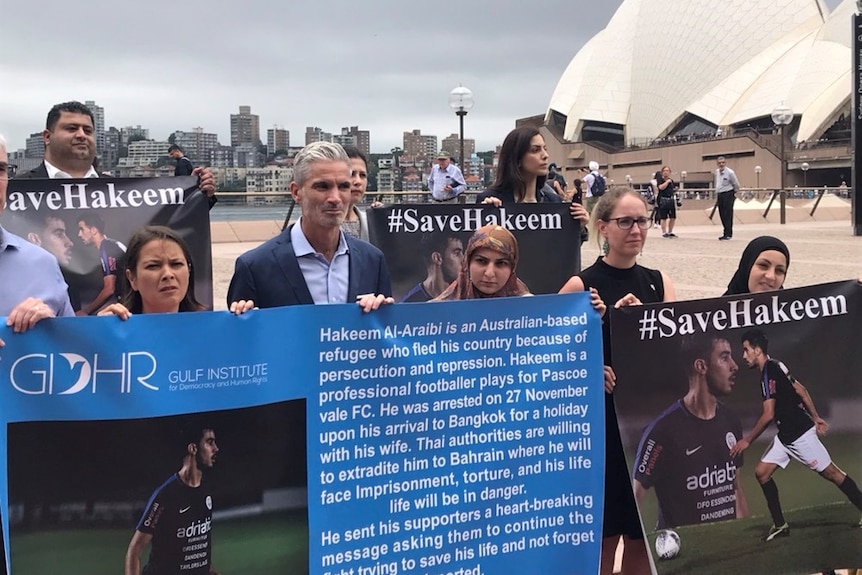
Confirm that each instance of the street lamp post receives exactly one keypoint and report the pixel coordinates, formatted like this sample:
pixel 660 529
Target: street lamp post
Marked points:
pixel 804 167
pixel 782 116
pixel 757 170
pixel 461 100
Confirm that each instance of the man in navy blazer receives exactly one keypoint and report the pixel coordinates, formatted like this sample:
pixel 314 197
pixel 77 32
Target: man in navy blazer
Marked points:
pixel 313 262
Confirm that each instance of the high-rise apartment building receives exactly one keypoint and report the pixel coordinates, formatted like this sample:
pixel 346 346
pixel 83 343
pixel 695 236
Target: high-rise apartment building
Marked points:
pixel 353 136
pixel 196 144
pixel 145 153
pixel 244 128
pixel 277 139
pixel 133 132
pixel 452 144
pixel 36 146
pixel 417 144
pixel 99 117
pixel 268 180
pixel 109 154
pixel 221 157
pixel 247 156
pixel 315 134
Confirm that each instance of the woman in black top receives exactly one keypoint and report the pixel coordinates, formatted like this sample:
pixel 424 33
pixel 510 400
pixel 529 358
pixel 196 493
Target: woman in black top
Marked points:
pixel 522 172
pixel 666 201
pixel 620 224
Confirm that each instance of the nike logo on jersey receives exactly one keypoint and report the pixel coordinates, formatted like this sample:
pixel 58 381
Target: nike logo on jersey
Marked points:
pixel 185 509
pixel 693 451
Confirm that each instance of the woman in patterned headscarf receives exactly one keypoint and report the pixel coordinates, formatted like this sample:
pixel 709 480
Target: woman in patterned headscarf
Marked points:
pixel 488 269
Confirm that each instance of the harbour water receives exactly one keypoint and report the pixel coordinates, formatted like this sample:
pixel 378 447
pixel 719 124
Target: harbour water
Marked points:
pixel 236 212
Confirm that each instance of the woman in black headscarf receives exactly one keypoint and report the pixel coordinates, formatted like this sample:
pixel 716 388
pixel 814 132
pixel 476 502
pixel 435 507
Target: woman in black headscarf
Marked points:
pixel 762 267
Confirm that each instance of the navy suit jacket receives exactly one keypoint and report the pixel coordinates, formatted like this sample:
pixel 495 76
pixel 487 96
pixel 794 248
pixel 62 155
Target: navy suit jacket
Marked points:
pixel 270 274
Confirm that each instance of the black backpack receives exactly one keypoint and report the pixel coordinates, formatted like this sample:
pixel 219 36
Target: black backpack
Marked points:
pixel 599 185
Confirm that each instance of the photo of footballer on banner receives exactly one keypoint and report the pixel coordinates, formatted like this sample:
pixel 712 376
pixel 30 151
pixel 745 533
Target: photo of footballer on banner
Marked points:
pixel 424 244
pixel 200 493
pixel 740 418
pixel 86 225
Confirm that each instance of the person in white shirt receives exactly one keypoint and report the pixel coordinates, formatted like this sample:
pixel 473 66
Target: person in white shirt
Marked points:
pixel 589 180
pixel 446 182
pixel 726 186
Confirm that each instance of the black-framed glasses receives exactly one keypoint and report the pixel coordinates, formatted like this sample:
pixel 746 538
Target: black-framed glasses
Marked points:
pixel 626 223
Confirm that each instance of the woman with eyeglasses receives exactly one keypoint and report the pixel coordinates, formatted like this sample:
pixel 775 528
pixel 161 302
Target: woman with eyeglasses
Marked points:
pixel 620 225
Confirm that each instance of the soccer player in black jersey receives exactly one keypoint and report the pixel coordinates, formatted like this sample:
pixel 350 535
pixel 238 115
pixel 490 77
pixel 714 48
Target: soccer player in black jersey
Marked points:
pixel 683 453
pixel 178 517
pixel 786 401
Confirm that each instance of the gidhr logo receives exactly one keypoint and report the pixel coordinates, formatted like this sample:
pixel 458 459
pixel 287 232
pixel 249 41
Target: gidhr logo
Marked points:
pixel 71 373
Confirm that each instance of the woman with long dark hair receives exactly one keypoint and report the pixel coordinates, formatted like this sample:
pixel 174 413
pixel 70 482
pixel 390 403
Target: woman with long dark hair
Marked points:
pixel 522 171
pixel 159 276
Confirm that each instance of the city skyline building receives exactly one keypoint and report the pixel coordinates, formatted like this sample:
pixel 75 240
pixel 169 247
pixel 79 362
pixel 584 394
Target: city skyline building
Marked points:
pixel 136 132
pixel 353 136
pixel 268 180
pixel 277 139
pixel 315 134
pixel 247 156
pixel 144 153
pixel 99 121
pixel 35 146
pixel 109 153
pixel 415 143
pixel 452 144
pixel 197 144
pixel 244 128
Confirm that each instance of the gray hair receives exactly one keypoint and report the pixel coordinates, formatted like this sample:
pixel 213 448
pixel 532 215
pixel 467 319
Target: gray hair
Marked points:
pixel 2 142
pixel 316 152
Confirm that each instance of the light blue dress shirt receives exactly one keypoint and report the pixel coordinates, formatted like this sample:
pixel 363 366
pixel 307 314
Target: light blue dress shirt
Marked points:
pixel 327 281
pixel 26 270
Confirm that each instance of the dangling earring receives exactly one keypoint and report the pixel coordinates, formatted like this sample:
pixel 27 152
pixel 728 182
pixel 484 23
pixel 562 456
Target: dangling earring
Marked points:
pixel 606 247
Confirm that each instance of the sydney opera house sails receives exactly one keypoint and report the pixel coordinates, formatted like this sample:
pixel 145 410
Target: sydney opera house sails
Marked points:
pixel 662 65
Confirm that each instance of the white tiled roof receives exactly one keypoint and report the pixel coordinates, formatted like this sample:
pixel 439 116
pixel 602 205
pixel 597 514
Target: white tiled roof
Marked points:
pixel 727 63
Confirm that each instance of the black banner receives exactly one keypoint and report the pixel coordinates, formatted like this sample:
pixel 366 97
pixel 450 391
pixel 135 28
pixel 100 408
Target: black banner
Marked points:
pixel 690 386
pixel 856 124
pixel 548 241
pixel 51 213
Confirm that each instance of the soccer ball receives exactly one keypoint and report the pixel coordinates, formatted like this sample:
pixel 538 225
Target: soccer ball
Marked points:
pixel 667 544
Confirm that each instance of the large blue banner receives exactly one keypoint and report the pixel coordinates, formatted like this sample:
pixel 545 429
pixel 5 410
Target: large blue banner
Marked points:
pixel 462 437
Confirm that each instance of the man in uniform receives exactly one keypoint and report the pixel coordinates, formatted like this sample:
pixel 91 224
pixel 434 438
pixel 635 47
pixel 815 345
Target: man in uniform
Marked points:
pixel 787 401
pixel 683 453
pixel 177 520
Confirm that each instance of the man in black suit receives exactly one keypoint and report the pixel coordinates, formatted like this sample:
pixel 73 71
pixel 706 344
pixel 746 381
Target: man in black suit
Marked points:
pixel 313 262
pixel 70 148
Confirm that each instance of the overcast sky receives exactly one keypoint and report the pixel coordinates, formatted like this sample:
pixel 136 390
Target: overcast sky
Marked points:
pixel 385 65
